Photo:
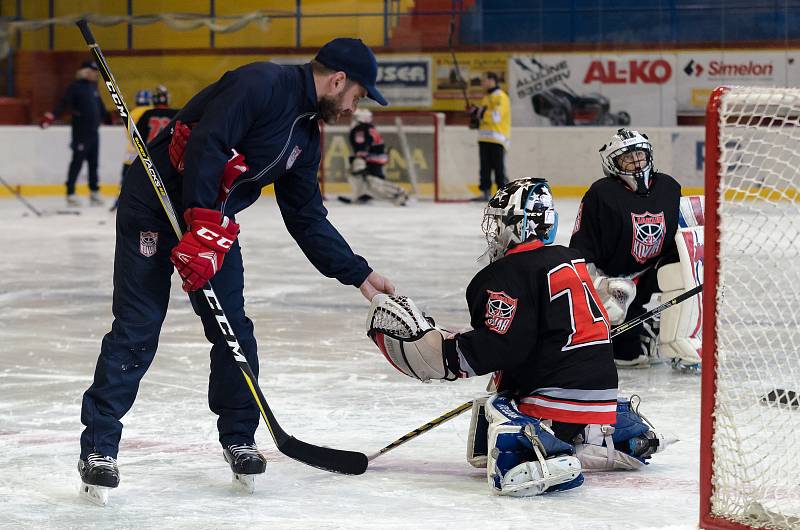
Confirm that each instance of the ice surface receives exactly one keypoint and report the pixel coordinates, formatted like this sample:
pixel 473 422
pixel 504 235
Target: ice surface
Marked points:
pixel 324 379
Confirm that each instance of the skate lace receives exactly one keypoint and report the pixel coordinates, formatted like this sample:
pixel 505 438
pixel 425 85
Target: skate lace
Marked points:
pixel 98 460
pixel 243 450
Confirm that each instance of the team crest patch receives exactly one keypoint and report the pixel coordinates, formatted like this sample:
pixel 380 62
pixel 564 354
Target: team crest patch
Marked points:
pixel 648 235
pixel 500 310
pixel 293 156
pixel 148 241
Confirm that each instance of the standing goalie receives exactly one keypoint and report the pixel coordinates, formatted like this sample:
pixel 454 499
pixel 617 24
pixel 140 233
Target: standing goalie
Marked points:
pixel 366 164
pixel 626 229
pixel 538 324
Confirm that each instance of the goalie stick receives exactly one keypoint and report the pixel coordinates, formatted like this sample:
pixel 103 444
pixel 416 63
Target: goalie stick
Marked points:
pixel 622 328
pixel 328 459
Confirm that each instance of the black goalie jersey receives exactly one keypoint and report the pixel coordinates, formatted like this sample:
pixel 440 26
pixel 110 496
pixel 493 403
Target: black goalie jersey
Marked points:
pixel 622 232
pixel 536 317
pixel 367 143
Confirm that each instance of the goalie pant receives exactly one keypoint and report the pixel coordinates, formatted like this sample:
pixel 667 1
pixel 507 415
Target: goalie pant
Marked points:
pixel 523 308
pixel 624 234
pixel 267 112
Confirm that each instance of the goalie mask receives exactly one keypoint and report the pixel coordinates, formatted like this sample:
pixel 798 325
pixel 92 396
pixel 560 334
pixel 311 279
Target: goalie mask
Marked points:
pixel 520 211
pixel 629 157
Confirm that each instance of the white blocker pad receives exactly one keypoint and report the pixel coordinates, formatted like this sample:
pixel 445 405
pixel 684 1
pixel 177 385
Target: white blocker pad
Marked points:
pixel 681 325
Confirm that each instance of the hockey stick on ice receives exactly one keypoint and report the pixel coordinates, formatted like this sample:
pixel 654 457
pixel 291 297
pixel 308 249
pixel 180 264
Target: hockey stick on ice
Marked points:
pixel 422 429
pixel 16 193
pixel 336 460
pixel 622 328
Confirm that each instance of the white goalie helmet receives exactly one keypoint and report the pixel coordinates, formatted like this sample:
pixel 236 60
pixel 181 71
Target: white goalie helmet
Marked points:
pixel 520 211
pixel 362 116
pixel 637 173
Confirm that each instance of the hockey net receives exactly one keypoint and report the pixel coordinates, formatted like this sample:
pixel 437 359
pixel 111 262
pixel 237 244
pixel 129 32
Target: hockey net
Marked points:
pixel 417 155
pixel 750 433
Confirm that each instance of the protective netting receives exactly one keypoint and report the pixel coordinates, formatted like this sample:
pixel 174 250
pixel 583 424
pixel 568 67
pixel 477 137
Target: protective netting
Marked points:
pixel 756 440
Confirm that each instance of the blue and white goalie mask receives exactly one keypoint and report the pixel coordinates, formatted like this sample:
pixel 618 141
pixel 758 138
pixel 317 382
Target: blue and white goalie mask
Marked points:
pixel 629 157
pixel 520 211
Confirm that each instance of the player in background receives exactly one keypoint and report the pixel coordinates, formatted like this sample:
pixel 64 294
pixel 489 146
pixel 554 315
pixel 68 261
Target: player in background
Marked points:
pixel 144 101
pixel 88 112
pixel 625 228
pixel 150 121
pixel 270 115
pixel 366 164
pixel 538 324
pixel 492 118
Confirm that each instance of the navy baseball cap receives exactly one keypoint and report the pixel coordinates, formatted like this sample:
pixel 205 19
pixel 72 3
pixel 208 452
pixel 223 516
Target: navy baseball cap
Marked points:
pixel 355 59
pixel 89 64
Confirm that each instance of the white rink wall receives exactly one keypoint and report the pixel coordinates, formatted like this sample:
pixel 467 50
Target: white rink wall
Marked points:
pixel 568 156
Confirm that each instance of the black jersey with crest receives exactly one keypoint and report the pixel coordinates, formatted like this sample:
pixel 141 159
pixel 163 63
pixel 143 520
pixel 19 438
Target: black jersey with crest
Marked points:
pixel 153 121
pixel 536 317
pixel 622 232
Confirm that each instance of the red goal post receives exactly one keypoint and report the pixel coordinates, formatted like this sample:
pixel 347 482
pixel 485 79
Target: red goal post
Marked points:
pixel 750 411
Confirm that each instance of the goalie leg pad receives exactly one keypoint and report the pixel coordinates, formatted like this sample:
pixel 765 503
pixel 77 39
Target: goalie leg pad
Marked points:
pixel 383 189
pixel 626 445
pixel 478 434
pixel 525 458
pixel 680 336
pixel 358 186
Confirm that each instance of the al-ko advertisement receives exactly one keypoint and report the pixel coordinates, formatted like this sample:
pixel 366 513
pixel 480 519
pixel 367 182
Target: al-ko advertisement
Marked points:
pixel 700 72
pixel 586 89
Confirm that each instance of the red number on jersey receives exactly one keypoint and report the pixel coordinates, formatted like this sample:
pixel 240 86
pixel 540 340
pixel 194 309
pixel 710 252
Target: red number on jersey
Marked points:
pixel 156 124
pixel 587 315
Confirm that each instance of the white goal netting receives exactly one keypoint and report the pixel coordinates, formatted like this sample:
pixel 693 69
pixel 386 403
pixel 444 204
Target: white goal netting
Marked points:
pixel 755 445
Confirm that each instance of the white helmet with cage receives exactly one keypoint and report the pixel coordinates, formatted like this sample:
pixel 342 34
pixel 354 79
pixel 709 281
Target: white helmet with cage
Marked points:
pixel 362 116
pixel 636 171
pixel 520 211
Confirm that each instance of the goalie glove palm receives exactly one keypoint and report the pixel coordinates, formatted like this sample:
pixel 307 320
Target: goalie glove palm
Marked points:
pixel 199 254
pixel 408 341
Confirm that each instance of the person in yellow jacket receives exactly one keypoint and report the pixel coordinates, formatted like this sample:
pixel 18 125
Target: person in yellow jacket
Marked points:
pixel 493 118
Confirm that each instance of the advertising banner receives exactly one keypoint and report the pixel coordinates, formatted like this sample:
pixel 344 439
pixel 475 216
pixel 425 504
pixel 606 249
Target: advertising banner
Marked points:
pixel 447 91
pixel 405 81
pixel 700 72
pixel 587 89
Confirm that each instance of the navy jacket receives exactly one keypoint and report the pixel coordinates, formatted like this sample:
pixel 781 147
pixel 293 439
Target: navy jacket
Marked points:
pixel 88 112
pixel 268 113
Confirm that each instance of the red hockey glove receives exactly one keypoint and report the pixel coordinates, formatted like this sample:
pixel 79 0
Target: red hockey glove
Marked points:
pixel 199 253
pixel 46 120
pixel 177 146
pixel 235 167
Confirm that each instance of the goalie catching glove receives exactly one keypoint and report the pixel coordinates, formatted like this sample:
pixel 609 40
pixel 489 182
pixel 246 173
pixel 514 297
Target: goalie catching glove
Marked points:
pixel 408 341
pixel 200 252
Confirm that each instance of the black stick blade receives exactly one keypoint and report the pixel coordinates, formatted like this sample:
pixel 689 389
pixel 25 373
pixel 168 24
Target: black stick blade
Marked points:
pixel 325 458
pixel 783 397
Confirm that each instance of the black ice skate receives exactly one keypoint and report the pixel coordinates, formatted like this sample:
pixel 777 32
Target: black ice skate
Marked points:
pixel 98 474
pixel 246 462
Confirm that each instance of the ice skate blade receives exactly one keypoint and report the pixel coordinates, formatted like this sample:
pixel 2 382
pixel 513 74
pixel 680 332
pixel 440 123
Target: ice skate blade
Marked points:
pixel 95 494
pixel 245 483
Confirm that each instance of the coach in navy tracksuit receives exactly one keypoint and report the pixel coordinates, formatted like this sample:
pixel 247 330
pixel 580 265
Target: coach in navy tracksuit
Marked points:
pixel 269 114
pixel 88 112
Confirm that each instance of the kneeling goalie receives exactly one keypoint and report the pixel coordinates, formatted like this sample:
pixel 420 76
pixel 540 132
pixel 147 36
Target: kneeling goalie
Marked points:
pixel 537 323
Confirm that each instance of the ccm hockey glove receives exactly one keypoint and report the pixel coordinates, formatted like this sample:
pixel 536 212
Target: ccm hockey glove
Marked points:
pixel 200 252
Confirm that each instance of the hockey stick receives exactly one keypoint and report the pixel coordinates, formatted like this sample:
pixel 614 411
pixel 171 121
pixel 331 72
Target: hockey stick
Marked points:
pixel 461 81
pixel 422 429
pixel 336 460
pixel 16 193
pixel 622 328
